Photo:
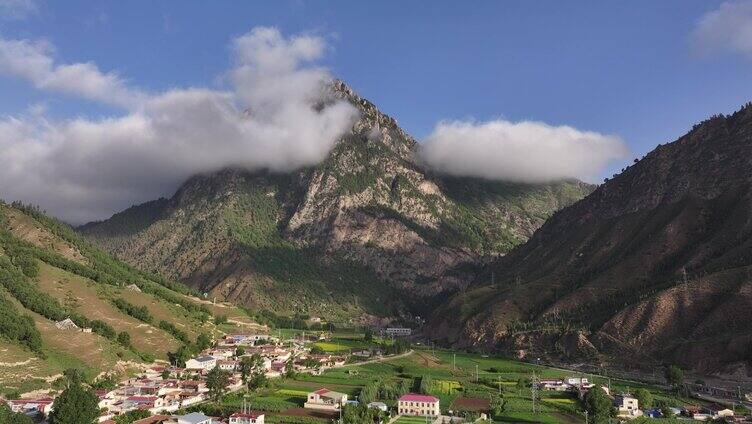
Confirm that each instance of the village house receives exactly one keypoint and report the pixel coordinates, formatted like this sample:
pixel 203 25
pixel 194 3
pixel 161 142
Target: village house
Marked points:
pixel 142 402
pixel 154 419
pixel 194 418
pixel 247 418
pixel 717 411
pixel 227 365
pixel 627 406
pixel 577 381
pixel 325 399
pixel 398 332
pixel 557 385
pixel 202 363
pixel 30 406
pixel 419 405
pixel 222 352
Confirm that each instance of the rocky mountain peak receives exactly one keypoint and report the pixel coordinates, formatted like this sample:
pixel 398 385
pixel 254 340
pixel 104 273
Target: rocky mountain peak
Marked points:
pixel 367 208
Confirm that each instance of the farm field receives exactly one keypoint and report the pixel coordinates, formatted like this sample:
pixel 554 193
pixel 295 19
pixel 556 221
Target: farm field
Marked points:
pixel 449 376
pixel 448 381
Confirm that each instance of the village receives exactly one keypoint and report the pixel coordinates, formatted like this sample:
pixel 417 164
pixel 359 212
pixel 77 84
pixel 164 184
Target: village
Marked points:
pixel 163 390
pixel 175 393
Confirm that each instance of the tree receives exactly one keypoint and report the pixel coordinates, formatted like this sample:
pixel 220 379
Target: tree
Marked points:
pixel 179 357
pixel 425 384
pixel 203 341
pixel 124 339
pixel 220 319
pixel 317 350
pixel 73 376
pixel 246 368
pixel 240 351
pixel 9 417
pixel 360 414
pixel 258 380
pixel 290 368
pixel 165 374
pixel 598 405
pixel 368 336
pixel 106 382
pixel 28 265
pixel 522 383
pixel 644 398
pixel 369 392
pixel 217 381
pixel 675 376
pixel 498 405
pixel 132 416
pixel 76 405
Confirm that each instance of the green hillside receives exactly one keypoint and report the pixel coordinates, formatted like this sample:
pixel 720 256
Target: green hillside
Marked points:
pixel 49 274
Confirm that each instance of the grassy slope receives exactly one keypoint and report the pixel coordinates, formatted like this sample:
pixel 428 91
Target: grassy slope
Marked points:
pixel 53 247
pixel 95 301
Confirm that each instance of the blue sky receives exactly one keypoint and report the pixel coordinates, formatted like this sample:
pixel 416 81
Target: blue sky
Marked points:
pixel 629 69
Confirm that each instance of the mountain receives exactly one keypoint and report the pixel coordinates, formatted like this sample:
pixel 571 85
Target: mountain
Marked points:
pixel 368 232
pixel 49 274
pixel 655 265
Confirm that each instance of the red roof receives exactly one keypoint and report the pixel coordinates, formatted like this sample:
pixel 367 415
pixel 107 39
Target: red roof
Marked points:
pixel 413 397
pixel 321 391
pixel 142 398
pixel 155 419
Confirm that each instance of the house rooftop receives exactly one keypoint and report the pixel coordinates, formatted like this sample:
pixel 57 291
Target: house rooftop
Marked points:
pixel 414 397
pixel 194 418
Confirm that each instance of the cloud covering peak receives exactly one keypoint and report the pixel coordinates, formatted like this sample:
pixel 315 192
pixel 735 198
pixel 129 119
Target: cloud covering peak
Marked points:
pixel 270 117
pixel 525 151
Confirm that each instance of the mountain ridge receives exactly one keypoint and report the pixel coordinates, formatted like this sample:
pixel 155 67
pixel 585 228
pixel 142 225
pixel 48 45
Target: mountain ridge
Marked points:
pixel 622 266
pixel 369 205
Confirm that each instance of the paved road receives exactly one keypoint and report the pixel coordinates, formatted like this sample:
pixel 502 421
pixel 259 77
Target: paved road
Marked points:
pixel 379 359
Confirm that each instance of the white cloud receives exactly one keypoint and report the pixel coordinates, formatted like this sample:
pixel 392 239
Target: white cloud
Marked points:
pixel 82 169
pixel 17 9
pixel 726 29
pixel 33 61
pixel 519 151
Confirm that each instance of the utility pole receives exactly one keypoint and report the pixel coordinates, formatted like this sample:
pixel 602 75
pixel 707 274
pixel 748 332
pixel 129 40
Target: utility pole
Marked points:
pixel 476 373
pixel 454 362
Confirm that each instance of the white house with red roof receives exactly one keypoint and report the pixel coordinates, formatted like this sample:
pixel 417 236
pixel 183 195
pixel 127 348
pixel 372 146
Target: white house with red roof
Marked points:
pixel 25 406
pixel 247 418
pixel 419 405
pixel 325 399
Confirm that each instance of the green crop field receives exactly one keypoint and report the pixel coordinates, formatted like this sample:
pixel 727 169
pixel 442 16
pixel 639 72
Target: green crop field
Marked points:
pixel 450 374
